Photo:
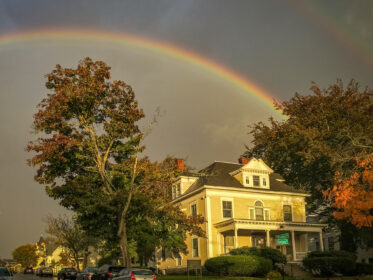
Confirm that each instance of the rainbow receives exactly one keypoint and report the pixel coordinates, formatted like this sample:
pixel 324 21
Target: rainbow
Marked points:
pixel 146 43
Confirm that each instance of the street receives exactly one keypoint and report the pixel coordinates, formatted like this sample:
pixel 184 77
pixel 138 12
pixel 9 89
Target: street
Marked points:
pixel 21 276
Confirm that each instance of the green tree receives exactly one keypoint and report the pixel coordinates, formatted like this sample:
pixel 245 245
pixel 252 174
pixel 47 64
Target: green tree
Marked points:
pixel 323 136
pixel 88 157
pixel 26 255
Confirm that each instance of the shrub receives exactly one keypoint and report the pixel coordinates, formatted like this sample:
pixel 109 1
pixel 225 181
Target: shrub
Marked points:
pixel 364 268
pixel 238 265
pixel 274 255
pixel 273 274
pixel 265 265
pixel 328 263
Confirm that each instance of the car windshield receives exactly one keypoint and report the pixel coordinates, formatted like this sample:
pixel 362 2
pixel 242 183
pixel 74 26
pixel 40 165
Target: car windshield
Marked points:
pixel 142 272
pixel 4 272
pixel 115 268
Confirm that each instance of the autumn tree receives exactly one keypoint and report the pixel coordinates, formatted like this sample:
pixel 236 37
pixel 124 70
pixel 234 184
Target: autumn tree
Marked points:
pixel 322 138
pixel 88 156
pixel 26 255
pixel 352 196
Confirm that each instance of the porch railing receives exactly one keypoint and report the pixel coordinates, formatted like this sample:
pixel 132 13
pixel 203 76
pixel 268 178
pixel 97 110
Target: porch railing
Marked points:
pixel 300 255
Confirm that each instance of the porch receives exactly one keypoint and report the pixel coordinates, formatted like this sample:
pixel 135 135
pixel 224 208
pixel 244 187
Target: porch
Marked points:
pixel 234 233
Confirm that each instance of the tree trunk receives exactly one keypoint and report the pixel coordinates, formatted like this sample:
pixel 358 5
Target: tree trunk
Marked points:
pixel 124 244
pixel 85 260
pixel 77 262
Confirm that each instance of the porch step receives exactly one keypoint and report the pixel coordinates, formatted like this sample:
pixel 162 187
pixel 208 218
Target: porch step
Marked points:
pixel 296 270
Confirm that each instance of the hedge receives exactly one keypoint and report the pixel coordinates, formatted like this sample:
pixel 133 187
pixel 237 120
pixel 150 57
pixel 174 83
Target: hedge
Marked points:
pixel 364 268
pixel 239 265
pixel 327 263
pixel 269 253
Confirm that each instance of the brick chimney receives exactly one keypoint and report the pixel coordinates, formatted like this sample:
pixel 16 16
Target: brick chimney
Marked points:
pixel 243 160
pixel 180 164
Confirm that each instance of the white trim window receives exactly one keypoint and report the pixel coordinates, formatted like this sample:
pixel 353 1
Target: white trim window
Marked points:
pixel 195 248
pixel 227 207
pixel 193 209
pixel 259 211
pixel 247 180
pixel 288 213
pixel 256 181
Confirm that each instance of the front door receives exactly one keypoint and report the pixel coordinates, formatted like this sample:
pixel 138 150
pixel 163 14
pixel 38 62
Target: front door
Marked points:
pixel 258 241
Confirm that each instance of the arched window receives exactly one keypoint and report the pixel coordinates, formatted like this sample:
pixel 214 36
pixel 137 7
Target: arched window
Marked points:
pixel 259 211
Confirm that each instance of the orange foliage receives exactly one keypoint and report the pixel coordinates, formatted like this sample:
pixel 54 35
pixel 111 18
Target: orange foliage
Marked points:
pixel 352 196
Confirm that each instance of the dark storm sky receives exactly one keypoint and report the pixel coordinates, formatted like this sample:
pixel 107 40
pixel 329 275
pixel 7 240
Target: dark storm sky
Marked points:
pixel 279 45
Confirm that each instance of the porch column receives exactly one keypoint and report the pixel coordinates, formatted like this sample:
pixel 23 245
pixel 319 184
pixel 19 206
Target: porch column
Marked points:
pixel 235 238
pixel 219 249
pixel 268 244
pixel 293 245
pixel 321 241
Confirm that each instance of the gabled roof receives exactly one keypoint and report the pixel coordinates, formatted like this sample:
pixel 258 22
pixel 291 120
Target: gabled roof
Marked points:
pixel 218 174
pixel 256 165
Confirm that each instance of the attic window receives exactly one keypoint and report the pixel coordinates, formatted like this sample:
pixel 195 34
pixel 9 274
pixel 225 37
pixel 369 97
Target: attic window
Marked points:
pixel 264 182
pixel 247 180
pixel 256 181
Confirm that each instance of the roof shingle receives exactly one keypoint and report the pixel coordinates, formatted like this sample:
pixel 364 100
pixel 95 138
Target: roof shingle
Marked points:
pixel 217 174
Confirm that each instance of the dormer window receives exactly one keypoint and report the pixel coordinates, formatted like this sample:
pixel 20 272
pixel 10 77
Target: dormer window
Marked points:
pixel 254 174
pixel 247 180
pixel 176 191
pixel 256 181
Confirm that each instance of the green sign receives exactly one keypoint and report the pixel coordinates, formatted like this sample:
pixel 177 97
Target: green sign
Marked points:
pixel 282 239
pixel 282 236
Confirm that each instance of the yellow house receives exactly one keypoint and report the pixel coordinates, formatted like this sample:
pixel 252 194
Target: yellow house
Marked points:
pixel 244 204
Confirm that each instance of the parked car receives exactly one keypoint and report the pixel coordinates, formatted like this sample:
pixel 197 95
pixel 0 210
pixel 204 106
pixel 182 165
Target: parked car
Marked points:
pixel 5 274
pixel 136 274
pixel 67 273
pixel 44 271
pixel 28 270
pixel 87 273
pixel 107 272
